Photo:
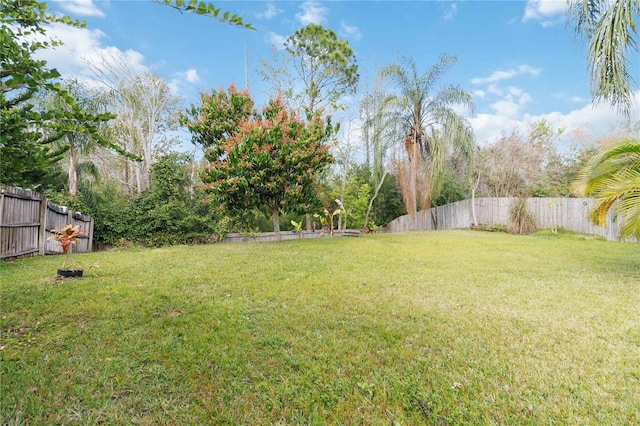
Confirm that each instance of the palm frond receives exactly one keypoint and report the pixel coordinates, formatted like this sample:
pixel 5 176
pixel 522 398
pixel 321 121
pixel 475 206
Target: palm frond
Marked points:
pixel 613 178
pixel 435 73
pixel 610 28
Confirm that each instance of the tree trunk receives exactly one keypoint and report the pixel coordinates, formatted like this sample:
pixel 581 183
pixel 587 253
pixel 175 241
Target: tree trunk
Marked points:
pixel 138 175
pixel 127 177
pixel 375 195
pixel 307 218
pixel 72 182
pixel 276 223
pixel 473 207
pixel 474 186
pixel 413 191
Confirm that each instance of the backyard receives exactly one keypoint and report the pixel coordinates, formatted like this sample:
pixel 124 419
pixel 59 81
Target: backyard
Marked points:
pixel 445 328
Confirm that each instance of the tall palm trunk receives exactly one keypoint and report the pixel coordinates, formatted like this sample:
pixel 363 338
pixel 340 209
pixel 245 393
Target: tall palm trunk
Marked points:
pixel 423 118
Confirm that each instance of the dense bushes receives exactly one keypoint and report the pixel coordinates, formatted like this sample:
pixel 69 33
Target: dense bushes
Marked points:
pixel 173 211
pixel 169 212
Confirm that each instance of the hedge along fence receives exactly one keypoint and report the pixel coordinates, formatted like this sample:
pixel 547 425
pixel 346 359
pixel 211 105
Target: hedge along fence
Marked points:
pixel 549 213
pixel 26 221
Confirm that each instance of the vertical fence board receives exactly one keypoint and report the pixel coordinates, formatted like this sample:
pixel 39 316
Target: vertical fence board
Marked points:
pixel 42 232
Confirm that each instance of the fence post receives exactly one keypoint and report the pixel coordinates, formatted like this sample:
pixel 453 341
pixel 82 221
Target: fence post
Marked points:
pixel 42 231
pixel 90 246
pixel 2 231
pixel 1 205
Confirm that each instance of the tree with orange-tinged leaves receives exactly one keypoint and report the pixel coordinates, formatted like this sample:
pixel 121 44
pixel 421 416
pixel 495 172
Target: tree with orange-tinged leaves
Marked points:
pixel 264 159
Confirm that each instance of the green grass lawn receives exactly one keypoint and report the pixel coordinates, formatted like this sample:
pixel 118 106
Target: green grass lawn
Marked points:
pixel 441 328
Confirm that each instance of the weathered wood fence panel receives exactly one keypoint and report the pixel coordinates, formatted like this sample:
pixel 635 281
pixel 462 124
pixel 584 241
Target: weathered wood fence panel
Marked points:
pixel 26 219
pixel 567 213
pixel 58 217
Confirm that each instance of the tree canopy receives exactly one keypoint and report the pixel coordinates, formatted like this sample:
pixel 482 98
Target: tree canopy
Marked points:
pixel 266 159
pixel 323 64
pixel 28 129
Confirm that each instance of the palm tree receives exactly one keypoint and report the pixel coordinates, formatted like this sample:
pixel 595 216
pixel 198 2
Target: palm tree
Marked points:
pixel 610 28
pixel 429 124
pixel 613 178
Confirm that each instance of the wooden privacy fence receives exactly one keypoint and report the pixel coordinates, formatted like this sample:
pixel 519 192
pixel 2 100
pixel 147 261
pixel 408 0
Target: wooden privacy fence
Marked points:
pixel 566 213
pixel 26 221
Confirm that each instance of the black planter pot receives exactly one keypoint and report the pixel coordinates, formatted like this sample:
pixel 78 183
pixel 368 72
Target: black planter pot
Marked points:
pixel 70 273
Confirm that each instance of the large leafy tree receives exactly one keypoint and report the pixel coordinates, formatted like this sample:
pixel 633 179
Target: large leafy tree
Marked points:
pixel 428 123
pixel 325 64
pixel 316 70
pixel 266 159
pixel 610 28
pixel 612 177
pixel 28 131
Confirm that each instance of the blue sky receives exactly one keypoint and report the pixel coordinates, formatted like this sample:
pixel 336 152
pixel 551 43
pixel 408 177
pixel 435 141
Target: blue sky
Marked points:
pixel 516 57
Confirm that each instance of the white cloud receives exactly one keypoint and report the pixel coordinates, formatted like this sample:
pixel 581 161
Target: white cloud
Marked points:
pixel 83 52
pixel 567 98
pixel 596 120
pixel 479 93
pixel 192 76
pixel 350 31
pixel 524 99
pixel 312 13
pixel 449 14
pixel 543 10
pixel 514 91
pixel 495 90
pixel 276 40
pixel 271 12
pixel 174 86
pixel 488 127
pixel 552 22
pixel 505 75
pixel 80 7
pixel 512 103
pixel 181 78
pixel 506 108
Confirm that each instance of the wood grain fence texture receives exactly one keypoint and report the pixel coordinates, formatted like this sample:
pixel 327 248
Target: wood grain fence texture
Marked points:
pixel 566 213
pixel 26 221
